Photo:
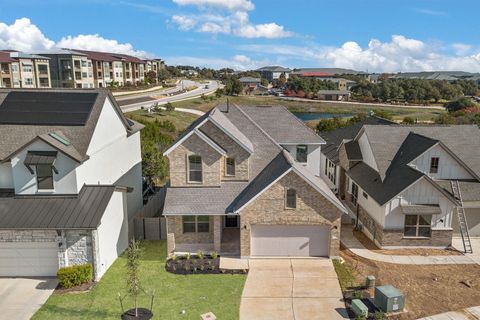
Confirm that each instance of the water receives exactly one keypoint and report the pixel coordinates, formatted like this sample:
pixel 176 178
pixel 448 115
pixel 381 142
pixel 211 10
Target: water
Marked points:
pixel 306 116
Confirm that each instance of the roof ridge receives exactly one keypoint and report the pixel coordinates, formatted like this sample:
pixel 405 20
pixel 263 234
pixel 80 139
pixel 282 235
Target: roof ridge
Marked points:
pixel 303 123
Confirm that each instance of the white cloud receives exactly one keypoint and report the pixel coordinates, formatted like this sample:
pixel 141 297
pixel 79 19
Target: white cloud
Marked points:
pixel 431 12
pixel 398 54
pixel 236 22
pixel 184 23
pixel 231 5
pixel 462 49
pixel 22 35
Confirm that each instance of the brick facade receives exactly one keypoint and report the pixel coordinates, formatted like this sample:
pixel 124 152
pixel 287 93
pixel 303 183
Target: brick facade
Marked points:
pixel 233 150
pixel 211 162
pixel 269 208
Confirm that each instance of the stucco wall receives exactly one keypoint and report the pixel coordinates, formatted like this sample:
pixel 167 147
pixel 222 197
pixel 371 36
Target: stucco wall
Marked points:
pixel 269 208
pixel 178 159
pixel 6 175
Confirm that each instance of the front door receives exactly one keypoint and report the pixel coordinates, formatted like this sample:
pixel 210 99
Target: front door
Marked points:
pixel 231 221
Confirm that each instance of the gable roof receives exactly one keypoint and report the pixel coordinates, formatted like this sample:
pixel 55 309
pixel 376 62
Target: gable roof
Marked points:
pixel 462 140
pixel 335 138
pixel 16 136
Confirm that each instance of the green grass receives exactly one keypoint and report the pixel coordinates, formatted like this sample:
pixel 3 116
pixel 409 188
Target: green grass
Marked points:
pixel 316 106
pixel 181 120
pixel 196 294
pixel 345 273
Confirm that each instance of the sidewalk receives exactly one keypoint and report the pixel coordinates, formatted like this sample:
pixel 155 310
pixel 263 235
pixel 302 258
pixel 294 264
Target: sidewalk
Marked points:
pixel 349 241
pixel 465 314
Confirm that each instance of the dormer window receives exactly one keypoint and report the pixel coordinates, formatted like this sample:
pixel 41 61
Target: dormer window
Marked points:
pixel 230 166
pixel 195 168
pixel 302 153
pixel 434 164
pixel 44 176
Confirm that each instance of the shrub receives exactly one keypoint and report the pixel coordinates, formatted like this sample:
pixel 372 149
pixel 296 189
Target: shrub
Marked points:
pixel 73 276
pixel 169 107
pixel 408 120
pixel 188 256
pixel 174 257
pixel 200 254
pixel 214 255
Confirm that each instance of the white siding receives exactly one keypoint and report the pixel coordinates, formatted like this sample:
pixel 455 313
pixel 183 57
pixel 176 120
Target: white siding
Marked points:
pixel 6 175
pixel 367 153
pixel 371 206
pixel 422 192
pixel 65 182
pixel 448 167
pixel 112 232
pixel 313 156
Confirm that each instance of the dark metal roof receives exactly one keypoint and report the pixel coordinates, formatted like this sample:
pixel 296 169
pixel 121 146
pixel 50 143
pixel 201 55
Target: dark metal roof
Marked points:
pixel 82 211
pixel 40 157
pixel 353 151
pixel 47 108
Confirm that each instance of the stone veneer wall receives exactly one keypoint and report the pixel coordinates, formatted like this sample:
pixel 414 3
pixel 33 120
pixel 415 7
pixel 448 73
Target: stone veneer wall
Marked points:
pixel 78 247
pixel 269 208
pixel 233 150
pixel 178 160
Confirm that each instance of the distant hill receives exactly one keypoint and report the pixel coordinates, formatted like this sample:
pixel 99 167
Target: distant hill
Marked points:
pixel 331 71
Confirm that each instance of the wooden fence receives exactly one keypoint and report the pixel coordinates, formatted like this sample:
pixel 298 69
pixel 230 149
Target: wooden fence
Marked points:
pixel 147 223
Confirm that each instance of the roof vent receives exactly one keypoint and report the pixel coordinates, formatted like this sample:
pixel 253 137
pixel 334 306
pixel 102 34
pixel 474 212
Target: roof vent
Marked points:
pixel 59 138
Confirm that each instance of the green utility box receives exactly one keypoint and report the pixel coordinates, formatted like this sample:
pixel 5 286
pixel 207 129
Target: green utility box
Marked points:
pixel 389 299
pixel 359 308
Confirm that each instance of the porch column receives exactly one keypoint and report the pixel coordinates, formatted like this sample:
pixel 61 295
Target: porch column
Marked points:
pixel 217 233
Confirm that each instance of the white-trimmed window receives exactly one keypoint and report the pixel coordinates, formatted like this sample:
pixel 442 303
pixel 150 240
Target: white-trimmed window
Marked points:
pixel 194 168
pixel 290 198
pixel 196 224
pixel 302 153
pixel 229 166
pixel 418 226
pixel 434 161
pixel 354 193
pixel 44 176
pixel 331 171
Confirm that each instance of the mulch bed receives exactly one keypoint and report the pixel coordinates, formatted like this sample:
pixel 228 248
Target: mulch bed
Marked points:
pixel 78 289
pixel 143 314
pixel 194 265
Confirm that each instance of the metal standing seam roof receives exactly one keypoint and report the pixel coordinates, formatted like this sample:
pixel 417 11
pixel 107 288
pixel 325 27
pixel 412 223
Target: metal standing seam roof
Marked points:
pixel 82 211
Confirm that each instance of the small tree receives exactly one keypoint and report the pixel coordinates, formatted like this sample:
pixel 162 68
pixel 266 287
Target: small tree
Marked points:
pixel 169 107
pixel 408 120
pixel 134 253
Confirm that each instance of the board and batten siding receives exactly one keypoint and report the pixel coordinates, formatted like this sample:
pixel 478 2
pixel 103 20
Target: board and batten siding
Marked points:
pixel 421 192
pixel 367 152
pixel 325 178
pixel 448 167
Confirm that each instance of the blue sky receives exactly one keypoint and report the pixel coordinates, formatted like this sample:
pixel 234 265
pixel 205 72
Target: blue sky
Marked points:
pixel 373 35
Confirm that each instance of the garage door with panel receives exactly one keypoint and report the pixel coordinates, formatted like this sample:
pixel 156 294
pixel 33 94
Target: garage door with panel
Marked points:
pixel 38 259
pixel 290 240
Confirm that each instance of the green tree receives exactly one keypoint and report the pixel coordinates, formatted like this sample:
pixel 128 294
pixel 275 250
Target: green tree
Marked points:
pixel 264 82
pixel 282 80
pixel 134 253
pixel 169 107
pixel 408 120
pixel 233 86
pixel 150 77
pixel 326 125
pixel 460 104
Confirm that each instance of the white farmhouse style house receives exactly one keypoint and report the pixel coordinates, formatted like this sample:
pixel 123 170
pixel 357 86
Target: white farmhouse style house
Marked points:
pixel 70 179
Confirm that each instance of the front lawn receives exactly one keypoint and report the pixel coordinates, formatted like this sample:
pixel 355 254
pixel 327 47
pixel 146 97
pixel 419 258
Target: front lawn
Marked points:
pixel 196 294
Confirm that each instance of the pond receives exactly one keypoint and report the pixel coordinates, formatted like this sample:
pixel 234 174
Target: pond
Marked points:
pixel 306 116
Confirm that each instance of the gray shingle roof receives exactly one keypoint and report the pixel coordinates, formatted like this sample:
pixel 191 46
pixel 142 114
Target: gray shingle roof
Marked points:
pixel 16 136
pixel 470 189
pixel 222 121
pixel 249 79
pixel 462 140
pixel 282 125
pixel 353 151
pixel 334 138
pixel 84 210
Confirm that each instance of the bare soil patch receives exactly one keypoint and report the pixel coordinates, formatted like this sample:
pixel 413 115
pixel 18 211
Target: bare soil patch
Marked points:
pixel 405 252
pixel 78 289
pixel 428 289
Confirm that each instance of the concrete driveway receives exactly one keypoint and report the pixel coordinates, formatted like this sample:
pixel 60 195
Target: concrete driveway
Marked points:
pixel 286 289
pixel 20 298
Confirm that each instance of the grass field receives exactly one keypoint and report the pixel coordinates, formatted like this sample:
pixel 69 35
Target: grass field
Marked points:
pixel 196 294
pixel 181 120
pixel 398 113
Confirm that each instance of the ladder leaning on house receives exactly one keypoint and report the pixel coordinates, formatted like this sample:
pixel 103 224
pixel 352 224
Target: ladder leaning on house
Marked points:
pixel 462 219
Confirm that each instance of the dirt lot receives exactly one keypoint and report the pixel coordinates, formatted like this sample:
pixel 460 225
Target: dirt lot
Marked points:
pixel 428 289
pixel 405 252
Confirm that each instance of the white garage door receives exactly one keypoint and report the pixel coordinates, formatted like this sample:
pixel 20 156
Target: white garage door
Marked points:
pixel 28 259
pixel 290 240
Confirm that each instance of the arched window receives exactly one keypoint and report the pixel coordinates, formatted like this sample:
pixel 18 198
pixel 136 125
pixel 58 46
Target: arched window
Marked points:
pixel 291 199
pixel 195 168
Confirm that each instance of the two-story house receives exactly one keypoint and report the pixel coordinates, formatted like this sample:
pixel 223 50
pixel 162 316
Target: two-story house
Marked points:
pixel 244 180
pixel 70 179
pixel 408 185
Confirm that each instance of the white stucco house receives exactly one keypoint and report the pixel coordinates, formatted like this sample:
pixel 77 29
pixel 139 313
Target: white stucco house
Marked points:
pixel 70 180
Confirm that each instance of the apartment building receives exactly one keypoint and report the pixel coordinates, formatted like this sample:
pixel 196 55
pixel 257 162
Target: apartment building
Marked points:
pixel 70 69
pixel 23 70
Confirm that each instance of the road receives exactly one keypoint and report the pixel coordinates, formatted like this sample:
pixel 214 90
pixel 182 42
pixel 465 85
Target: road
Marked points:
pixel 132 103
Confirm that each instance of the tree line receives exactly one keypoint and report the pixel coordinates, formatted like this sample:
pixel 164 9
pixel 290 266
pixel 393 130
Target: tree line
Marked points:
pixel 413 90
